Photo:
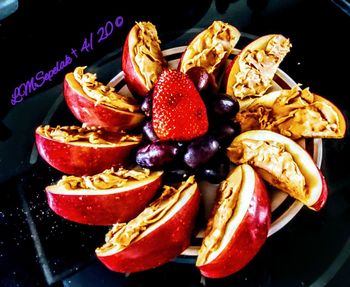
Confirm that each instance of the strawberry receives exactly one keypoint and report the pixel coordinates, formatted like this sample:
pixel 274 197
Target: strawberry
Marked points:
pixel 178 111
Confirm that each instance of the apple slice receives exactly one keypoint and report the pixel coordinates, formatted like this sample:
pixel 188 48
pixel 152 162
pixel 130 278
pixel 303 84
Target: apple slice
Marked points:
pixel 157 235
pixel 142 60
pixel 282 163
pixel 83 150
pixel 97 105
pixel 105 198
pixel 238 226
pixel 210 48
pixel 251 72
pixel 294 113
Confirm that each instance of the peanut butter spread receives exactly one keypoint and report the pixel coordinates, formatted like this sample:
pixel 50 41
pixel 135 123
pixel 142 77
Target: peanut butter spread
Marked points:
pixel 213 46
pixel 93 135
pixel 227 196
pixel 103 94
pixel 123 234
pixel 275 163
pixel 295 113
pixel 147 54
pixel 106 180
pixel 258 67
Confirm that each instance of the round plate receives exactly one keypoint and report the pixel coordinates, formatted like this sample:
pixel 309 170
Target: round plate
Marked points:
pixel 283 207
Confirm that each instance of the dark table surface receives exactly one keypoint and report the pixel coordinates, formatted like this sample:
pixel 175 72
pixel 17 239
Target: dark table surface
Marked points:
pixel 38 248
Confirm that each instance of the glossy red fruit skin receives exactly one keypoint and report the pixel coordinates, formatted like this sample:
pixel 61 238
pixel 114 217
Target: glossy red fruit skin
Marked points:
pixel 85 110
pixel 160 246
pixel 81 160
pixel 320 203
pixel 104 209
pixel 132 79
pixel 178 111
pixel 227 72
pixel 248 238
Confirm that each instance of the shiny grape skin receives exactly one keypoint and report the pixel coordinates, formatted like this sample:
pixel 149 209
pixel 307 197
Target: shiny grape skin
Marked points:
pixel 225 132
pixel 176 175
pixel 216 170
pixel 146 105
pixel 223 105
pixel 199 77
pixel 149 132
pixel 200 151
pixel 156 155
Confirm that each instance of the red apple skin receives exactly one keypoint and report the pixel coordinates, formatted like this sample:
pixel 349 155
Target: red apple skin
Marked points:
pixel 160 246
pixel 85 110
pixel 135 85
pixel 319 204
pixel 182 57
pixel 227 72
pixel 250 235
pixel 104 209
pixel 81 160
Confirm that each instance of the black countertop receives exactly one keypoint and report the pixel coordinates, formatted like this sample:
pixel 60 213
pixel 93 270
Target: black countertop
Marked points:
pixel 38 248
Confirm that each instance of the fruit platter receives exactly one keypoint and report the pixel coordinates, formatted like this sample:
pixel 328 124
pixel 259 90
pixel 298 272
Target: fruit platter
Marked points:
pixel 202 150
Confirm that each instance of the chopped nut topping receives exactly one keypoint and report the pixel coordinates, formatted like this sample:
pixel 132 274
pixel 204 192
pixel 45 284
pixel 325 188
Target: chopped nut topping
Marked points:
pixel 93 135
pixel 123 234
pixel 258 67
pixel 227 197
pixel 104 94
pixel 147 53
pixel 295 113
pixel 275 163
pixel 209 50
pixel 106 180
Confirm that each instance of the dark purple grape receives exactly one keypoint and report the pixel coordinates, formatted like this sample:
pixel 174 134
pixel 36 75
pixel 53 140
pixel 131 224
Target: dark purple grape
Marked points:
pixel 181 144
pixel 174 175
pixel 156 155
pixel 146 105
pixel 200 151
pixel 199 77
pixel 216 170
pixel 225 132
pixel 223 105
pixel 149 132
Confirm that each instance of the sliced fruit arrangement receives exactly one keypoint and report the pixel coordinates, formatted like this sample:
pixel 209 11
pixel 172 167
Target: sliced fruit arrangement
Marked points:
pixel 205 117
pixel 95 104
pixel 84 150
pixel 157 235
pixel 142 60
pixel 283 164
pixel 294 113
pixel 238 226
pixel 251 72
pixel 210 48
pixel 115 195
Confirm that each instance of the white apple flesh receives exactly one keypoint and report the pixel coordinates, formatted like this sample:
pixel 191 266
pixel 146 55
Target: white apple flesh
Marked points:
pixel 105 206
pixel 160 242
pixel 315 190
pixel 244 232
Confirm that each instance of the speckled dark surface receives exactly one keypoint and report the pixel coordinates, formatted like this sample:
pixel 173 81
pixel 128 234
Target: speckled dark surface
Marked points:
pixel 38 248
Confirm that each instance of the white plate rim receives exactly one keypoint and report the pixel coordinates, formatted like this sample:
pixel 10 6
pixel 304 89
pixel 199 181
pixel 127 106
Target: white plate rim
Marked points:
pixel 293 209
